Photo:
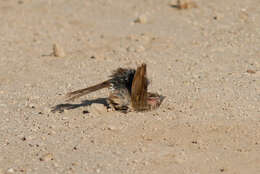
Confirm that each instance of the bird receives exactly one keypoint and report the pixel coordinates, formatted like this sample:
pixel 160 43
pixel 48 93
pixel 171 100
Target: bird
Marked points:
pixel 128 90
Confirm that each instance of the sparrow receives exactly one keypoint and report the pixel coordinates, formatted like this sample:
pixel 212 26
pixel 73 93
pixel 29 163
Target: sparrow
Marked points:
pixel 127 91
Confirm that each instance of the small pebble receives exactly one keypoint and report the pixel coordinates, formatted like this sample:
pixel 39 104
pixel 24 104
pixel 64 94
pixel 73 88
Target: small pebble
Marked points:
pixel 10 170
pixel 31 105
pixel 251 71
pixel 140 49
pixel 46 157
pixel 130 49
pixel 58 50
pixel 183 4
pixel 142 19
pixel 243 15
pixel 47 110
pixel 222 170
pixel 55 164
pixel 64 118
pixel 111 127
pixel 99 56
pixel 98 170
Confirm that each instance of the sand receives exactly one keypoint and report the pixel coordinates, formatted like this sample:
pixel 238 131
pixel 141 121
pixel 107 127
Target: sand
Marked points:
pixel 205 60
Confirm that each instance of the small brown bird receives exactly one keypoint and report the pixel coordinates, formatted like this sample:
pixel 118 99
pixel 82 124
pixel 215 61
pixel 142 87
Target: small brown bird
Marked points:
pixel 128 91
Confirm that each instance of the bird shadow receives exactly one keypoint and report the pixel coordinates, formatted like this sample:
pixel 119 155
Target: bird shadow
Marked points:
pixel 68 106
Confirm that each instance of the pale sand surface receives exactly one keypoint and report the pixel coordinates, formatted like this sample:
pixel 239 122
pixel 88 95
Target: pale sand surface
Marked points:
pixel 198 58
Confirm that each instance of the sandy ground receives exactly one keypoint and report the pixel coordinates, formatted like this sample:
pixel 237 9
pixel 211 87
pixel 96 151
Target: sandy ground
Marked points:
pixel 205 60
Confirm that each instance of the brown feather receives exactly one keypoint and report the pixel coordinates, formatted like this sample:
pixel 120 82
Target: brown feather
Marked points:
pixel 139 89
pixel 76 94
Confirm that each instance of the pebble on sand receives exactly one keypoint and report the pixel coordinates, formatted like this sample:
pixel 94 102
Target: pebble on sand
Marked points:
pixel 46 157
pixel 58 51
pixel 183 4
pixel 10 170
pixel 142 19
pixel 251 71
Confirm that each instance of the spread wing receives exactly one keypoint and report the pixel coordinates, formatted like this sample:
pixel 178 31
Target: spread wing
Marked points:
pixel 139 89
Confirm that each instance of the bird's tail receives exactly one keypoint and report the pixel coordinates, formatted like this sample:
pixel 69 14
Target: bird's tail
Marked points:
pixel 76 94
